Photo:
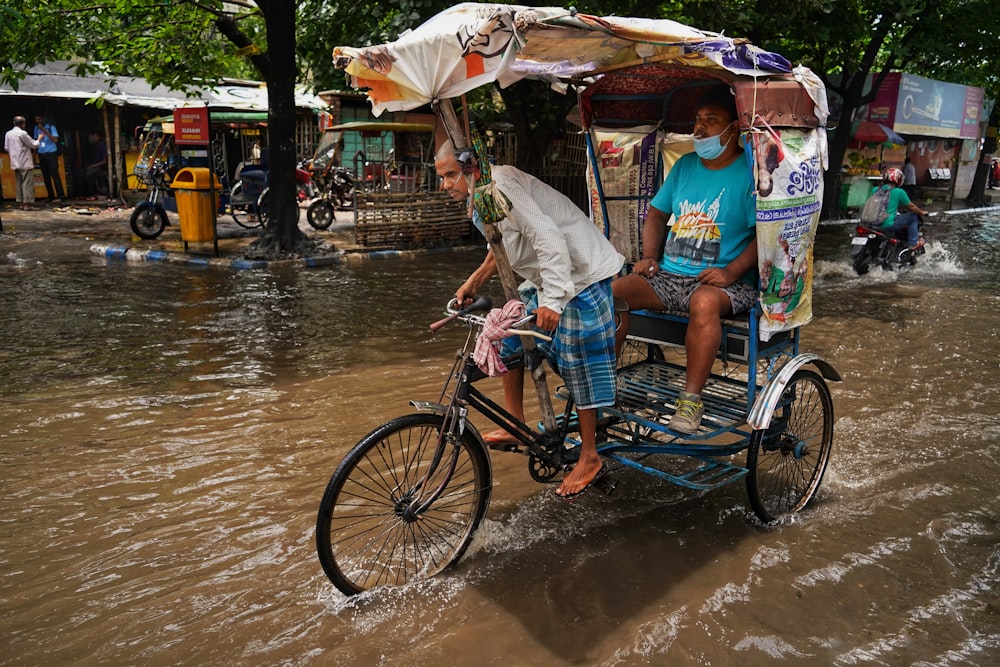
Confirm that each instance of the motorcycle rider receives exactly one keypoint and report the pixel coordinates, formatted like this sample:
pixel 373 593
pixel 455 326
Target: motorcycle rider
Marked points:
pixel 897 220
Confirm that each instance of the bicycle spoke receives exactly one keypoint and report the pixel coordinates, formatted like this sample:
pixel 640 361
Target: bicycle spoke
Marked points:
pixel 399 508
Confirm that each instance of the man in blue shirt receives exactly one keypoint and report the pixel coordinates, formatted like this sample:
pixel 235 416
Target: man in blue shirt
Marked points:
pixel 48 158
pixel 709 251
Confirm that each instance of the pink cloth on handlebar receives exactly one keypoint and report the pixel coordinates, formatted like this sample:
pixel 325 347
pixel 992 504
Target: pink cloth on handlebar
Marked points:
pixel 487 352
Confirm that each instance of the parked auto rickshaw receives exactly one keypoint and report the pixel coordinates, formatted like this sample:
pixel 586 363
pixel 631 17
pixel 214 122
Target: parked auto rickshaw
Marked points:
pixel 375 165
pixel 237 139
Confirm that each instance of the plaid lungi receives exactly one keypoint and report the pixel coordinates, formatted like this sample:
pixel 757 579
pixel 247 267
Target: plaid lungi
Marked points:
pixel 582 351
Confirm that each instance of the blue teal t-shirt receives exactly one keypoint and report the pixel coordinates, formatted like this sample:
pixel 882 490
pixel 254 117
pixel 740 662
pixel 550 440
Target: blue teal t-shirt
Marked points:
pixel 714 214
pixel 897 199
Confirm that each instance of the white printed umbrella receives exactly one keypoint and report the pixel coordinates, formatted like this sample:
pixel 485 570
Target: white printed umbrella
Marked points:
pixel 472 44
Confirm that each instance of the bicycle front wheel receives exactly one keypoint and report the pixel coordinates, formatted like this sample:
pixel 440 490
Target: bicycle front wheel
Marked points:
pixel 375 526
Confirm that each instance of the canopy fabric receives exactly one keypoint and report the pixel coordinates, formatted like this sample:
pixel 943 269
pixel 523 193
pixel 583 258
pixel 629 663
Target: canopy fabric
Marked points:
pixel 472 44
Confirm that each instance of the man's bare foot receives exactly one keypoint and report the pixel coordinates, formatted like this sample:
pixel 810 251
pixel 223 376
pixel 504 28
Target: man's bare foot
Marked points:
pixel 499 437
pixel 580 478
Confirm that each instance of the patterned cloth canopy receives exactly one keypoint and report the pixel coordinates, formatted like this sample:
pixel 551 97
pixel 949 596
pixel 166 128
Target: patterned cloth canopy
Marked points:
pixel 472 44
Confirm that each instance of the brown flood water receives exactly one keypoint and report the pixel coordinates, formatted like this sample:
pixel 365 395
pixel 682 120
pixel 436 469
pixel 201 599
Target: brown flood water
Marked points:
pixel 166 434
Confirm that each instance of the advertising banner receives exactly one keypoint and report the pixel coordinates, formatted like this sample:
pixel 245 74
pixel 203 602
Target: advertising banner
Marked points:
pixel 789 177
pixel 936 108
pixel 626 164
pixel 914 105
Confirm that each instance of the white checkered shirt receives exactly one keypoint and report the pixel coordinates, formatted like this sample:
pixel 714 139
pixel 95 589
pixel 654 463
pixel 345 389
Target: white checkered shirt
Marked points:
pixel 551 243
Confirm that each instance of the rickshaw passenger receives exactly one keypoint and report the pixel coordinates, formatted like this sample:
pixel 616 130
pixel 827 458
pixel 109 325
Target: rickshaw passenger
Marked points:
pixel 708 260
pixel 568 265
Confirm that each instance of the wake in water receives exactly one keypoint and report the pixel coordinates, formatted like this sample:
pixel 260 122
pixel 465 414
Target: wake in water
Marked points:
pixel 939 260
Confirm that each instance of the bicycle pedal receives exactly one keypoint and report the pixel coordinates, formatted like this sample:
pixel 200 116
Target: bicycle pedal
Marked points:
pixel 514 447
pixel 606 484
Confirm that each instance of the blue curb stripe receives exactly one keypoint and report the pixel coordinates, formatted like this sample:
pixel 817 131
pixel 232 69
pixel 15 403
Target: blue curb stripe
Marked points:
pixel 156 255
pixel 320 261
pixel 248 264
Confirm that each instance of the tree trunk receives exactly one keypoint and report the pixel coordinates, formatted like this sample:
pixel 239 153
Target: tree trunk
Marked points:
pixel 277 66
pixel 977 193
pixel 283 223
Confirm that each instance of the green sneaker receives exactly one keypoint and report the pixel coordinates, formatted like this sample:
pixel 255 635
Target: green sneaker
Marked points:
pixel 687 418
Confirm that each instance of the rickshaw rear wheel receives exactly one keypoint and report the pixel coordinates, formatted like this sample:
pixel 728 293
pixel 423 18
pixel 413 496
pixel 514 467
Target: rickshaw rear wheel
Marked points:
pixel 148 221
pixel 320 214
pixel 787 460
pixel 372 529
pixel 244 213
pixel 264 208
pixel 636 351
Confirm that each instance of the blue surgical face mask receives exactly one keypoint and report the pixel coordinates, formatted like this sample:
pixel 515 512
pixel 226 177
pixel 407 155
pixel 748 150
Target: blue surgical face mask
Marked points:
pixel 710 148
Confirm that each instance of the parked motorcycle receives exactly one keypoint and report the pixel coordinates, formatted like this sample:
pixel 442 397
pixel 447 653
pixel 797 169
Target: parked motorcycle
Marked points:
pixel 871 246
pixel 336 192
pixel 304 184
pixel 149 218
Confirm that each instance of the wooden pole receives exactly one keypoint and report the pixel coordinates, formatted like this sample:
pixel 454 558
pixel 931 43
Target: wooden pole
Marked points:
pixel 446 112
pixel 119 171
pixel 110 147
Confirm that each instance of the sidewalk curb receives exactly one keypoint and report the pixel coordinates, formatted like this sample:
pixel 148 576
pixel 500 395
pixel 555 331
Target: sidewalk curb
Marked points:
pixel 130 255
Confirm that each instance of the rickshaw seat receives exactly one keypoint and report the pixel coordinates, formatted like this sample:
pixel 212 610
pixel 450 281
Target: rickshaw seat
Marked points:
pixel 670 327
pixel 254 181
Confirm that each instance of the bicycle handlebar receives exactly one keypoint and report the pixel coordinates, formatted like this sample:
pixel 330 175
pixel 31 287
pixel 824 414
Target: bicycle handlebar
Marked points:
pixel 484 303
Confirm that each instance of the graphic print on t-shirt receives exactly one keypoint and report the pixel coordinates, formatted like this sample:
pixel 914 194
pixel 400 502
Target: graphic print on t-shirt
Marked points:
pixel 694 237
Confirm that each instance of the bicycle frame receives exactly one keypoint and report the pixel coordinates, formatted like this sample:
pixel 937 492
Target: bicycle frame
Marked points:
pixel 544 446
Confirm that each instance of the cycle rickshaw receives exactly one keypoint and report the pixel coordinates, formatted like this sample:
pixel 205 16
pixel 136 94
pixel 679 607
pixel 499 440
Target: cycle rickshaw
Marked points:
pixel 405 503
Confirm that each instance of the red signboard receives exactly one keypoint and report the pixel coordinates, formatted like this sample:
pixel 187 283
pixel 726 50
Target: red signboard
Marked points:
pixel 191 125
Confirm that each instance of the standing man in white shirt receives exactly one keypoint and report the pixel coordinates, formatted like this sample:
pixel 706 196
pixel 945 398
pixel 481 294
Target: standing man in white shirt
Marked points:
pixel 567 265
pixel 909 178
pixel 20 146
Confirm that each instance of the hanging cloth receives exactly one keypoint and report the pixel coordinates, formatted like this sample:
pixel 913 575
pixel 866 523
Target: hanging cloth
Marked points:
pixel 487 352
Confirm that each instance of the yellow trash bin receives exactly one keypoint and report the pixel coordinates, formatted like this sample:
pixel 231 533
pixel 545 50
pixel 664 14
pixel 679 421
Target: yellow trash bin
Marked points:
pixel 195 206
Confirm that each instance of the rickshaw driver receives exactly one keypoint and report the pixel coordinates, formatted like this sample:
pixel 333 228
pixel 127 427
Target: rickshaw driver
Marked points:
pixel 708 261
pixel 568 265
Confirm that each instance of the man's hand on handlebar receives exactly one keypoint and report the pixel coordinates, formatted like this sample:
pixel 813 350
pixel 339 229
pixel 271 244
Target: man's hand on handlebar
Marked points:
pixel 546 319
pixel 465 295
